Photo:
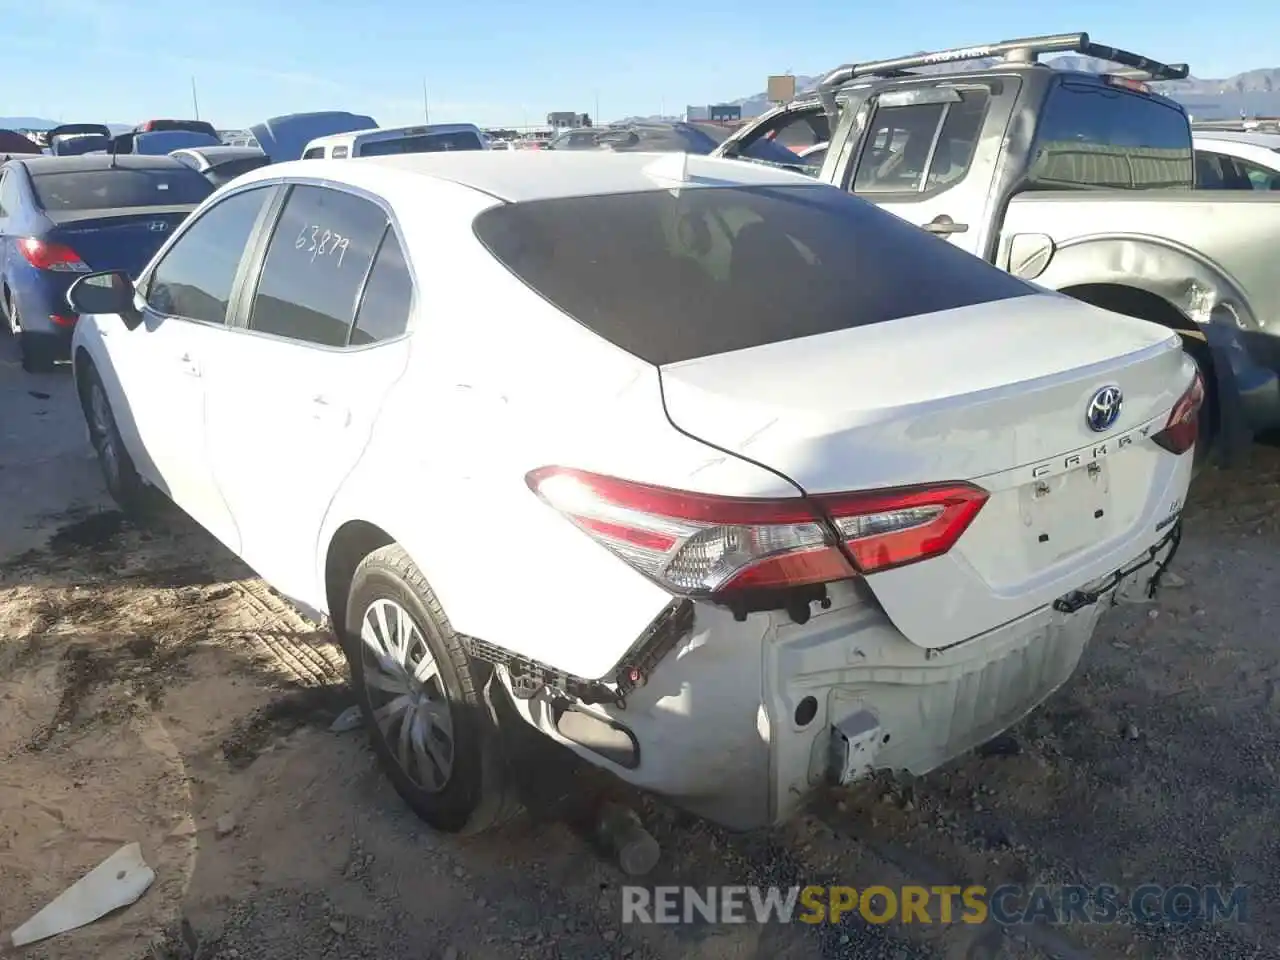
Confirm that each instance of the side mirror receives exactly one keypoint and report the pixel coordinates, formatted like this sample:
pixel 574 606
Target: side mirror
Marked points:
pixel 108 292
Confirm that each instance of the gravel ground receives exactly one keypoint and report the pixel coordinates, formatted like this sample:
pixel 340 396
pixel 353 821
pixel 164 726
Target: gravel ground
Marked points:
pixel 152 689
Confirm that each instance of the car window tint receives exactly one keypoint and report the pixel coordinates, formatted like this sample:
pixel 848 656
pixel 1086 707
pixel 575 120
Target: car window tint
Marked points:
pixel 427 143
pixel 316 263
pixel 120 187
pixel 671 275
pixel 195 277
pixel 1092 135
pixel 961 125
pixel 384 309
pixel 897 150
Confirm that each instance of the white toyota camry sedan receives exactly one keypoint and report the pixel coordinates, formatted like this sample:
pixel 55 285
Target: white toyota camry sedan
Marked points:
pixel 724 479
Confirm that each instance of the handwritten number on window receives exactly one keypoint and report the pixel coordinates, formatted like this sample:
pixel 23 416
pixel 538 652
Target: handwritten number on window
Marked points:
pixel 322 243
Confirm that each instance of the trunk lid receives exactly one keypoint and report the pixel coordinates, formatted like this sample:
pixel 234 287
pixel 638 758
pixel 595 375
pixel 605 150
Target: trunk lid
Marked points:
pixel 994 394
pixel 123 239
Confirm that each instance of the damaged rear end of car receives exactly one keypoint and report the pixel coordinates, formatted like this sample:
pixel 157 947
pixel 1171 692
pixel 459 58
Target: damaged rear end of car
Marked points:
pixel 965 471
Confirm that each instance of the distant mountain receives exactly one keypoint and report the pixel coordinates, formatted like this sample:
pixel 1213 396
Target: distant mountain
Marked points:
pixel 1255 92
pixel 40 123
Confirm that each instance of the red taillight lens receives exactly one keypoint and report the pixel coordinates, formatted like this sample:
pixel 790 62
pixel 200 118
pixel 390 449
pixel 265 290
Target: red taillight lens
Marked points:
pixel 51 256
pixel 697 544
pixel 1183 429
pixel 63 320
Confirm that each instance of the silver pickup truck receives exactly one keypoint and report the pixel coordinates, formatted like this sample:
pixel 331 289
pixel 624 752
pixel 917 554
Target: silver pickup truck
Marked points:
pixel 1079 181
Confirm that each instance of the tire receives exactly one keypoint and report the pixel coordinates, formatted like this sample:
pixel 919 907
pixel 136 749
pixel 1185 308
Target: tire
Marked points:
pixel 38 354
pixel 452 777
pixel 125 485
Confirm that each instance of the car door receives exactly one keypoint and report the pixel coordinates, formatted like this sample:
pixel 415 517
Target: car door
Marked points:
pixel 292 404
pixel 186 296
pixel 922 158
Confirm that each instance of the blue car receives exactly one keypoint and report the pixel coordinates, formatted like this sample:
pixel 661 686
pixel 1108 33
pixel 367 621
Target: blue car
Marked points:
pixel 61 217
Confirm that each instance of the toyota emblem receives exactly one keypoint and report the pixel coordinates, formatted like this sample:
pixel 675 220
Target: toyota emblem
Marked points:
pixel 1104 409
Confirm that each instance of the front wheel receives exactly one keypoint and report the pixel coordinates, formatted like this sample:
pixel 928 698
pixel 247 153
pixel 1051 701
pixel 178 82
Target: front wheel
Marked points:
pixel 423 697
pixel 123 481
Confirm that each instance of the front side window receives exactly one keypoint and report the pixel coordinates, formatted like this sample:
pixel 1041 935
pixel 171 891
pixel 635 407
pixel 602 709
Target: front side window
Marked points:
pixel 675 275
pixel 316 264
pixel 195 277
pixel 1092 135
pixel 791 142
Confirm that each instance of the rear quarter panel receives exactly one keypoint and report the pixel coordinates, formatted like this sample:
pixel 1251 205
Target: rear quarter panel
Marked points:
pixel 500 383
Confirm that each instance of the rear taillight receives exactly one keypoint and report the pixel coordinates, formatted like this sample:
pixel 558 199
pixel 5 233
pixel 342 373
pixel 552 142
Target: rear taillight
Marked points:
pixel 1183 429
pixel 51 256
pixel 696 544
pixel 63 320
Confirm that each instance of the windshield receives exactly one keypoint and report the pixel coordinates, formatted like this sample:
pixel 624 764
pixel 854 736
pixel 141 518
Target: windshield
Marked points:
pixel 670 275
pixel 163 142
pixel 427 143
pixel 109 189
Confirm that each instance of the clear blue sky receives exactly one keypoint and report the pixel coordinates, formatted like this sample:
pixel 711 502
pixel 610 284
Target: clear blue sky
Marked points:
pixel 503 61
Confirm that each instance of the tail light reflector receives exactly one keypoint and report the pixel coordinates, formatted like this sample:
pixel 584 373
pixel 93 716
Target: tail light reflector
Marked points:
pixel 696 544
pixel 51 256
pixel 1183 429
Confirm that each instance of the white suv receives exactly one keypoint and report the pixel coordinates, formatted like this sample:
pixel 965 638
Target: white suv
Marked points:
pixel 725 479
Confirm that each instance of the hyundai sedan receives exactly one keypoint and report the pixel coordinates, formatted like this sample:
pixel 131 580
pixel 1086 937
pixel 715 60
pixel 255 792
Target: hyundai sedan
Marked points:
pixel 724 479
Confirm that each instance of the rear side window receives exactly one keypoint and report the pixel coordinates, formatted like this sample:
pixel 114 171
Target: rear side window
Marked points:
pixel 340 153
pixel 388 296
pixel 429 143
pixel 315 153
pixel 674 275
pixel 121 187
pixel 1092 135
pixel 920 147
pixel 316 263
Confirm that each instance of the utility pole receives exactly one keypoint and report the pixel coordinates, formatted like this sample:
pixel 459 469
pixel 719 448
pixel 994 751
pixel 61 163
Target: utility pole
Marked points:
pixel 426 103
pixel 195 101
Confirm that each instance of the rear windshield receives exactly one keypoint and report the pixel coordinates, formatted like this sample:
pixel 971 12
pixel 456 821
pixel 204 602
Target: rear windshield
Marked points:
pixel 428 143
pixel 106 189
pixel 674 275
pixel 1097 136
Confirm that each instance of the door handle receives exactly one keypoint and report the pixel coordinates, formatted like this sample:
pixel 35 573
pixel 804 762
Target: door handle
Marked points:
pixel 327 410
pixel 944 226
pixel 190 366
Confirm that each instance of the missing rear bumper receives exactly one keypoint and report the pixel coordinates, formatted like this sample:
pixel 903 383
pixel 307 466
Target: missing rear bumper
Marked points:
pixel 1090 594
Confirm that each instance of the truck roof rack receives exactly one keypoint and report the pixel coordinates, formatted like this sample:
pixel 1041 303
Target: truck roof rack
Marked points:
pixel 1025 50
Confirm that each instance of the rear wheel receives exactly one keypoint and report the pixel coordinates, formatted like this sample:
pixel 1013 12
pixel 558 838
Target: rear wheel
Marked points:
pixel 39 351
pixel 425 701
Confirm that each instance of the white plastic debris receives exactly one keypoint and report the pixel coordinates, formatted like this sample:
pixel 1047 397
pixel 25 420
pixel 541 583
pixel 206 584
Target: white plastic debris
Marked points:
pixel 116 882
pixel 348 720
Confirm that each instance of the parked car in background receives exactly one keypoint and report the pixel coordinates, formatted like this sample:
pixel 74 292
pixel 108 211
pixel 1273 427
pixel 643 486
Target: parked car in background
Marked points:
pixel 160 143
pixel 661 137
pixel 190 126
pixel 284 138
pixel 428 138
pixel 1231 160
pixel 1076 180
pixel 75 139
pixel 14 144
pixel 221 165
pixel 61 217
pixel 746 451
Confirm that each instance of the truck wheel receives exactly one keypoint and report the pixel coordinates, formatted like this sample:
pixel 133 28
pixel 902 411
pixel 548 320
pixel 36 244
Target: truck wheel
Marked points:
pixel 424 699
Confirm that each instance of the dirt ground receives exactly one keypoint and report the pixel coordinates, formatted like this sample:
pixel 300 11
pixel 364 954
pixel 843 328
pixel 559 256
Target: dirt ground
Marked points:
pixel 151 689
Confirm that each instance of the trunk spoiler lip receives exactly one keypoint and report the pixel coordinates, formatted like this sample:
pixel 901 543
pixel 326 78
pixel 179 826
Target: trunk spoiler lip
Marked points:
pixel 64 217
